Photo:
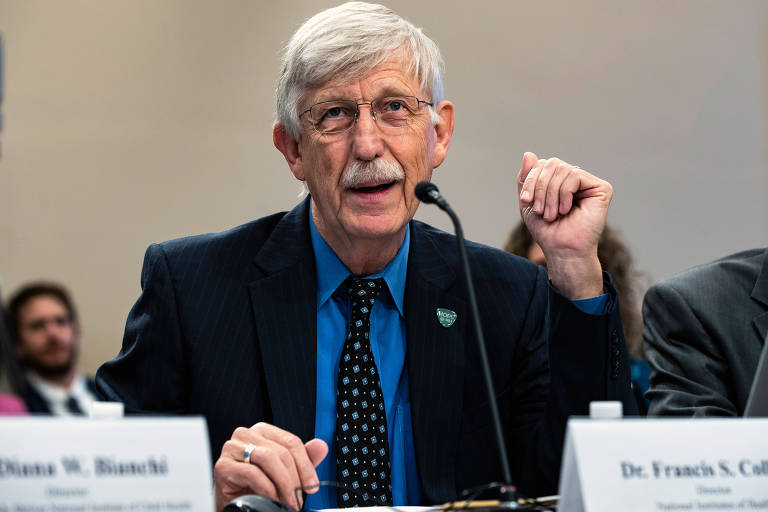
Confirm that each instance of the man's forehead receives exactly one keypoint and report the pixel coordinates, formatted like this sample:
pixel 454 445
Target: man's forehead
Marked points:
pixel 42 304
pixel 390 76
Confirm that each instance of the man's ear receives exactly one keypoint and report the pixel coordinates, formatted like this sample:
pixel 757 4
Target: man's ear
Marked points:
pixel 443 132
pixel 289 147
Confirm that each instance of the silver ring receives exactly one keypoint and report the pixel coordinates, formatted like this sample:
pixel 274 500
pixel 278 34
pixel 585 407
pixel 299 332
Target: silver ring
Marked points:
pixel 247 452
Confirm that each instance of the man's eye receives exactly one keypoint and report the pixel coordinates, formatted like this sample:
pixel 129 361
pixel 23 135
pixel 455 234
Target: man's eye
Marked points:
pixel 62 321
pixel 394 105
pixel 333 112
pixel 37 325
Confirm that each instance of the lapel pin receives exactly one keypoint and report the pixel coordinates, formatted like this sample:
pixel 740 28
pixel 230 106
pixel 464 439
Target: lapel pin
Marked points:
pixel 446 317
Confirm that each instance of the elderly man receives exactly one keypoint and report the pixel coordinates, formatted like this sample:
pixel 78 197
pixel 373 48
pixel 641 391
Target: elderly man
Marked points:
pixel 342 326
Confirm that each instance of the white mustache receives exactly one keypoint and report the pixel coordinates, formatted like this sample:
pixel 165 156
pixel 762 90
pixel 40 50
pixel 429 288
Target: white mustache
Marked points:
pixel 378 171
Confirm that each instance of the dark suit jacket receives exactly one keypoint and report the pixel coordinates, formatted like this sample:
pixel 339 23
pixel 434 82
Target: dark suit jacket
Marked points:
pixel 36 403
pixel 226 327
pixel 704 330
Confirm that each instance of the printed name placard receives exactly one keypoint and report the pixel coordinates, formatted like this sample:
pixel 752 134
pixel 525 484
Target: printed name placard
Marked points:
pixel 80 465
pixel 665 465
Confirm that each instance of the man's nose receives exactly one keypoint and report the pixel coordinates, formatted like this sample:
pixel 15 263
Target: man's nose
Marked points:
pixel 51 327
pixel 54 328
pixel 53 332
pixel 367 142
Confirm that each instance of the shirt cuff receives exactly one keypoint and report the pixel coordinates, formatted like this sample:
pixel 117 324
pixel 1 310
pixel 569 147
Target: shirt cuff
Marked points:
pixel 593 305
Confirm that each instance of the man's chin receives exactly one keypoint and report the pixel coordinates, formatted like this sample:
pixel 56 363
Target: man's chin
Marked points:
pixel 377 227
pixel 50 371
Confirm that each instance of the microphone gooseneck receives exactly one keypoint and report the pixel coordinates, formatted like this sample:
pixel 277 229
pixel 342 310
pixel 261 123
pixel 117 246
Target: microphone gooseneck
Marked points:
pixel 428 192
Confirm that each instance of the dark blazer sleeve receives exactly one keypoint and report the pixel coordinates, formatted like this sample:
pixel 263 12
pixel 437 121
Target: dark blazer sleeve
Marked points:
pixel 689 374
pixel 574 359
pixel 148 375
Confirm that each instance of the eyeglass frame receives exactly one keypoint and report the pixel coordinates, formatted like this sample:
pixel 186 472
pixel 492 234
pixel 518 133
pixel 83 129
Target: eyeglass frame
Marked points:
pixel 357 111
pixel 41 324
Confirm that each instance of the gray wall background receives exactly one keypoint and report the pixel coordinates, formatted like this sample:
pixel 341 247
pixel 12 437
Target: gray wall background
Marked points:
pixel 131 122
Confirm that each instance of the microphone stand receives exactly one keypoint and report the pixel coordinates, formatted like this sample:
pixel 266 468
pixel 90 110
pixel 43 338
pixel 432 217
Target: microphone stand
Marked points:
pixel 427 192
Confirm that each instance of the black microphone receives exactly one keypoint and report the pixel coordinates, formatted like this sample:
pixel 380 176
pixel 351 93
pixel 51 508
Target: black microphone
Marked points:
pixel 427 192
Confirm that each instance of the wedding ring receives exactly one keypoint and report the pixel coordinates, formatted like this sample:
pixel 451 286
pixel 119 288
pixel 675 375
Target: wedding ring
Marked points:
pixel 247 452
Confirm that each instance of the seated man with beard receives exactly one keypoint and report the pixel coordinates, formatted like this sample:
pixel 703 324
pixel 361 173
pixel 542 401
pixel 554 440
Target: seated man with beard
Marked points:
pixel 342 326
pixel 45 332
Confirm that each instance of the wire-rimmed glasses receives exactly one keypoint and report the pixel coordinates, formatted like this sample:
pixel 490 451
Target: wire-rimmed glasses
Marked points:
pixel 391 113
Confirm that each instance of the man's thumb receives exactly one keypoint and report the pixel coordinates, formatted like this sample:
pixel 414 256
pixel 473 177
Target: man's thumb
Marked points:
pixel 316 450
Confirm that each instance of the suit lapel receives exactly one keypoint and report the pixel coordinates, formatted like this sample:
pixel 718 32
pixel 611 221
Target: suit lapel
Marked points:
pixel 760 294
pixel 285 311
pixel 435 358
pixel 34 401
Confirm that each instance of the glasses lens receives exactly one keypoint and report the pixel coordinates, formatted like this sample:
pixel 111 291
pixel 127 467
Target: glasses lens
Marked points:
pixel 333 116
pixel 338 116
pixel 396 111
pixel 40 324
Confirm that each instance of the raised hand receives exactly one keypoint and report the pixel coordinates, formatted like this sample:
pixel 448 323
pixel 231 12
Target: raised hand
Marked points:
pixel 565 209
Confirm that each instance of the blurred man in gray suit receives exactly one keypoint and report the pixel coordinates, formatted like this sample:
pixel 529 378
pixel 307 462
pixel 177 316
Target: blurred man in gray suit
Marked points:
pixel 704 330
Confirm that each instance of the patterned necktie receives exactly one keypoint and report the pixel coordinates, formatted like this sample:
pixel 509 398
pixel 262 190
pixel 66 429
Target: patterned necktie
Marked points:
pixel 73 407
pixel 362 442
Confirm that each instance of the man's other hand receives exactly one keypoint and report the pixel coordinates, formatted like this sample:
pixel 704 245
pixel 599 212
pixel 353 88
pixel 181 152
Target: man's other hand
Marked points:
pixel 565 208
pixel 279 463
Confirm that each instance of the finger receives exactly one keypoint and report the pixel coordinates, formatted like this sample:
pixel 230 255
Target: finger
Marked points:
pixel 527 195
pixel 273 458
pixel 304 466
pixel 552 201
pixel 542 184
pixel 232 479
pixel 568 188
pixel 316 450
pixel 277 463
pixel 529 161
pixel 581 184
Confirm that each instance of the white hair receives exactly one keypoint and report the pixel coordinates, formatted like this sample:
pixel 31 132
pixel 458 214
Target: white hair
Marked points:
pixel 347 42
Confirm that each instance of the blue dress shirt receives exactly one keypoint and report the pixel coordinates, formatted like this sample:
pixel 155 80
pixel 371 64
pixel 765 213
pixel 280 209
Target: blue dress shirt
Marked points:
pixel 387 338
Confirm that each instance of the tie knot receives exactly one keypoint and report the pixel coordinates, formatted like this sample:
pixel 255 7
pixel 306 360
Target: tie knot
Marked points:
pixel 362 292
pixel 358 287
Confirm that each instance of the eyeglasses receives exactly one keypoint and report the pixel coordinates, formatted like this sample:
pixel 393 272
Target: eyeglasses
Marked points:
pixel 392 113
pixel 39 324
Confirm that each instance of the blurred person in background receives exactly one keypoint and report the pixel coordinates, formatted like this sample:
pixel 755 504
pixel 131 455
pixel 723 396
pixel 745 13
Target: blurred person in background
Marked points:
pixel 10 376
pixel 616 259
pixel 46 334
pixel 704 331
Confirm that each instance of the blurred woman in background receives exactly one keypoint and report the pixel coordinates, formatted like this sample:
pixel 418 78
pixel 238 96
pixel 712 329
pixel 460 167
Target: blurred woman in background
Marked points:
pixel 10 374
pixel 617 261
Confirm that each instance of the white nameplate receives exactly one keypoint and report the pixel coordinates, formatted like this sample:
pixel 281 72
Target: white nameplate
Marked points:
pixel 665 465
pixel 134 464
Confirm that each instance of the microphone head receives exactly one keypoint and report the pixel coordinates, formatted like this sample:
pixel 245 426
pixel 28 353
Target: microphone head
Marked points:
pixel 427 192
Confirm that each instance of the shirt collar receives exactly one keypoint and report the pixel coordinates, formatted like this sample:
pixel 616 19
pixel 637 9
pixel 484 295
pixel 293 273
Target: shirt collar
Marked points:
pixel 331 272
pixel 54 393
